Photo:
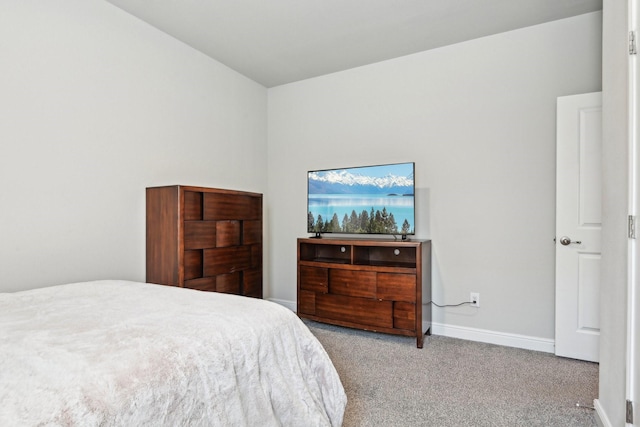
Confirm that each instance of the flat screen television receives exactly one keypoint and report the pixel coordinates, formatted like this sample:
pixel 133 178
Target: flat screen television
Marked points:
pixel 362 200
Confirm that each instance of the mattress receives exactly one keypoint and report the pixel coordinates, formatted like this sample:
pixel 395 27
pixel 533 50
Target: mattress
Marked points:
pixel 118 353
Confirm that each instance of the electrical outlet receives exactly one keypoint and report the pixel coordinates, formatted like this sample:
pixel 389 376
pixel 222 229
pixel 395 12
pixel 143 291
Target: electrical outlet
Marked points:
pixel 475 299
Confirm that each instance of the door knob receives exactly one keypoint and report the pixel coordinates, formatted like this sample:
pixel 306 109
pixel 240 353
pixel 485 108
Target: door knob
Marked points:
pixel 567 241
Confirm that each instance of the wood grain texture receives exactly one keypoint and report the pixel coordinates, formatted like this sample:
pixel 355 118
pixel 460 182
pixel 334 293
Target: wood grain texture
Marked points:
pixel 396 287
pixel 366 283
pixel 205 238
pixel 364 311
pixel 164 265
pixel 231 206
pixel 226 260
pixel 201 284
pixel 228 283
pixel 314 279
pixel 227 233
pixel 193 264
pixel 353 283
pixel 252 232
pixel 404 316
pixel 199 234
pixel 192 206
pixel 252 282
pixel 306 302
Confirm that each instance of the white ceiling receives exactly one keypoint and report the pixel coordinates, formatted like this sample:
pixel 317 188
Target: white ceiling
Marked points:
pixel 280 41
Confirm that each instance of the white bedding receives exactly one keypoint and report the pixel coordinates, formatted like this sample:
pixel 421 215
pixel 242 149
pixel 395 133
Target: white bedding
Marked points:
pixel 121 353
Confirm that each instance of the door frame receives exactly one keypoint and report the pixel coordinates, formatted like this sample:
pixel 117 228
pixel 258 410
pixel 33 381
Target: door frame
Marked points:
pixel 633 280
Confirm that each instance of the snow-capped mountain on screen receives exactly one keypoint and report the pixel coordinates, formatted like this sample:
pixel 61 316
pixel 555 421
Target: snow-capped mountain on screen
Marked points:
pixel 344 181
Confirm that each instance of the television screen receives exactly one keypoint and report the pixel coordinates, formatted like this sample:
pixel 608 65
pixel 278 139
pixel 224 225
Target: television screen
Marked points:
pixel 362 200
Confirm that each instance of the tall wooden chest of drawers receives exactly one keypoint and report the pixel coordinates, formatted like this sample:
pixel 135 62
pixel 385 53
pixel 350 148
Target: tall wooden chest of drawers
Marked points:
pixel 205 238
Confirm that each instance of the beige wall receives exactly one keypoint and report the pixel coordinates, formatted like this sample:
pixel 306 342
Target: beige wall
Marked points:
pixel 478 118
pixel 95 106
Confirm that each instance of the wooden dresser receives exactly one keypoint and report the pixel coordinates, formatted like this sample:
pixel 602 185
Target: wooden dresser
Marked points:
pixel 377 285
pixel 205 238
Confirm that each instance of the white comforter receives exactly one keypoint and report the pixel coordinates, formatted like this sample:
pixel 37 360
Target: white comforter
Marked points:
pixel 121 353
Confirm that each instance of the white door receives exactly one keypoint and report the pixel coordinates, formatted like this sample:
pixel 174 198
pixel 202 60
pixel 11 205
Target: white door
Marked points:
pixel 578 225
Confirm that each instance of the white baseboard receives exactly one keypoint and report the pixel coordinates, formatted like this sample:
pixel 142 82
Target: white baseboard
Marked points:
pixel 601 416
pixel 291 305
pixel 473 334
pixel 492 337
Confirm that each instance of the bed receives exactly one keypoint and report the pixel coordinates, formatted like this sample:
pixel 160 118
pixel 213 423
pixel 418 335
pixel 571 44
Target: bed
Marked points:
pixel 118 353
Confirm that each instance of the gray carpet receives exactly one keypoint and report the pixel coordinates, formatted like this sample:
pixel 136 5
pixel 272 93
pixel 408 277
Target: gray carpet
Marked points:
pixel 452 382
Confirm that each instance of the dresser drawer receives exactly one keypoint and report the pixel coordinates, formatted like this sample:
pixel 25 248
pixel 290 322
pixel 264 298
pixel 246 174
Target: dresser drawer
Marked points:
pixel 363 311
pixel 192 206
pixel 306 302
pixel 226 260
pixel 202 284
pixel 251 232
pixel 404 316
pixel 228 283
pixel 231 206
pixel 199 234
pixel 227 234
pixel 352 283
pixel 397 287
pixel 192 265
pixel 252 283
pixel 314 279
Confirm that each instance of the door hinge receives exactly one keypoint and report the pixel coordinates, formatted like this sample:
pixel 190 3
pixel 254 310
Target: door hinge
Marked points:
pixel 629 412
pixel 632 43
pixel 632 226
